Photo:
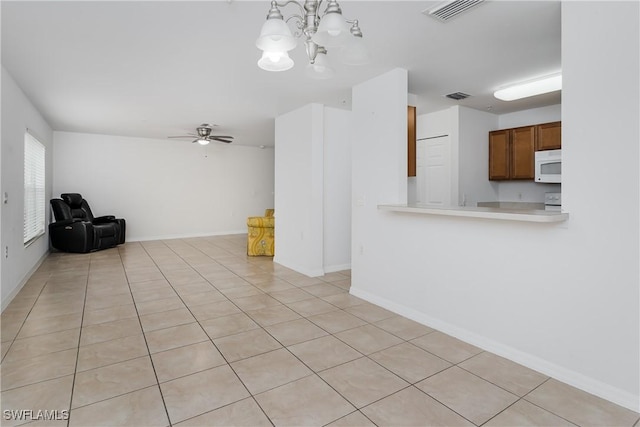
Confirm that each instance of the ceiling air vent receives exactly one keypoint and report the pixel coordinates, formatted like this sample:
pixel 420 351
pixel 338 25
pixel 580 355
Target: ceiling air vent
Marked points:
pixel 457 95
pixel 449 9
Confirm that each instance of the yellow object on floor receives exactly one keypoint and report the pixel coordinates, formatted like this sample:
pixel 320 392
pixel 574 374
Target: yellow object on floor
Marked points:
pixel 260 234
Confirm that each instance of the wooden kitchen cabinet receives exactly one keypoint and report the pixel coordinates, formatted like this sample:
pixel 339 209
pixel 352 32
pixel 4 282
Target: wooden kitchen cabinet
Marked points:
pixel 411 141
pixel 549 136
pixel 511 153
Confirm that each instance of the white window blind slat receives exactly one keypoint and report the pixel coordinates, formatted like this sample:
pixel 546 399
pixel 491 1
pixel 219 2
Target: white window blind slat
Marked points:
pixel 34 188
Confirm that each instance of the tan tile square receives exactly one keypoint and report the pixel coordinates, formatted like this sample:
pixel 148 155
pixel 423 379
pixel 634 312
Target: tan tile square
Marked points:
pixel 368 339
pixel 472 397
pixel 305 402
pixel 159 305
pixel 446 347
pixel 109 331
pixel 290 295
pixel 52 394
pixel 21 372
pixel 334 277
pixel 410 362
pixel 354 419
pixel 323 353
pixel 404 328
pixel 39 345
pixel 343 300
pixel 246 344
pixel 42 310
pixel 301 280
pixel 255 302
pixel 274 285
pixel 196 394
pixel 311 306
pixel 370 312
pixel 295 331
pixel 362 381
pixel 524 414
pixel 337 321
pixel 578 406
pixel 34 327
pixel 149 285
pixel 228 325
pixel 144 274
pixel 166 319
pixel 272 315
pixel 213 310
pixel 244 413
pixel 201 298
pixel 139 408
pixel 109 301
pixel 113 380
pixel 186 360
pixel 109 314
pixel 229 282
pixel 177 336
pixel 324 289
pixel 504 373
pixel 241 291
pixel 269 370
pixel 109 352
pixel 411 407
pixel 147 295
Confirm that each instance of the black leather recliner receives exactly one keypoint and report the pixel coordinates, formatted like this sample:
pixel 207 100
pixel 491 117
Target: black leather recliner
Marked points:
pixel 77 230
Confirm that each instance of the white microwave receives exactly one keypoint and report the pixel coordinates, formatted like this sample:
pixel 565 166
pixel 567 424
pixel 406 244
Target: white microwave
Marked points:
pixel 548 166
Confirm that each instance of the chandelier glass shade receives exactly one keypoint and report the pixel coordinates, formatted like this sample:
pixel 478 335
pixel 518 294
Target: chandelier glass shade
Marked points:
pixel 319 31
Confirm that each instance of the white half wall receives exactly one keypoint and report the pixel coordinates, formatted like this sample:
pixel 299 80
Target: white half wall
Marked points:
pixel 337 190
pixel 165 188
pixel 18 114
pixel 299 185
pixel 559 298
pixel 313 190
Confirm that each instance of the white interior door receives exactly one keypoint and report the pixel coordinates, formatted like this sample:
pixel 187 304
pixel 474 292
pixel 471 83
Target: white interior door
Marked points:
pixel 433 171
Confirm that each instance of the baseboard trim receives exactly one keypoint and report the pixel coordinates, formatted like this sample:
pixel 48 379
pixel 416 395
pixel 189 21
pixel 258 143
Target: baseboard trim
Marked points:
pixel 568 376
pixel 185 236
pixel 24 281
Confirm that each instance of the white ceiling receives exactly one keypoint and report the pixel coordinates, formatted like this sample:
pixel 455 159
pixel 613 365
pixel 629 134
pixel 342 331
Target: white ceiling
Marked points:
pixel 154 69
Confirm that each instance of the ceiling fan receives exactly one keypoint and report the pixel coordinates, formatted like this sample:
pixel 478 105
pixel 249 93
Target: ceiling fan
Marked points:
pixel 203 135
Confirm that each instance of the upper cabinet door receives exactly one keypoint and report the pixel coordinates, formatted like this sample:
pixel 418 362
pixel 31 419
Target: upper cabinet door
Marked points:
pixel 523 141
pixel 499 154
pixel 549 136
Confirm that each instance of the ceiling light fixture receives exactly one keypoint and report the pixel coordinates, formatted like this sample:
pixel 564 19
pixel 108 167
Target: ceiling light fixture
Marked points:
pixel 530 88
pixel 320 31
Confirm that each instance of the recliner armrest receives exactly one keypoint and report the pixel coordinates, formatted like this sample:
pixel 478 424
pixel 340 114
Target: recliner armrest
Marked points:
pixel 103 219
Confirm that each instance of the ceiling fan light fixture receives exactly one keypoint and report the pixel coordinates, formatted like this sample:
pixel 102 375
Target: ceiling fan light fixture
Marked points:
pixel 531 88
pixel 202 141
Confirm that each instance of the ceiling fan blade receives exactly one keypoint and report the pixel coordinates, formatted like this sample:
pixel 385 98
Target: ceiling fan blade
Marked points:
pixel 217 138
pixel 221 136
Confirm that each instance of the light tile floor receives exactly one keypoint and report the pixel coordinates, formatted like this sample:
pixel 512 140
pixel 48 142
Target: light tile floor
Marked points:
pixel 194 333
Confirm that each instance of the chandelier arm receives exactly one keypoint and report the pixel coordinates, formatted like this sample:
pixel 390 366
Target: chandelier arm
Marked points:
pixel 288 2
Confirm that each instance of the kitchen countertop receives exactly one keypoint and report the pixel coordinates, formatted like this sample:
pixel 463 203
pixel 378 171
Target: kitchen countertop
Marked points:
pixel 526 215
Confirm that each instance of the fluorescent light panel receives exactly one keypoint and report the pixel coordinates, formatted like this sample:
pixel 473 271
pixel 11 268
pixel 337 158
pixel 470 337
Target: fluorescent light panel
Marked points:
pixel 532 88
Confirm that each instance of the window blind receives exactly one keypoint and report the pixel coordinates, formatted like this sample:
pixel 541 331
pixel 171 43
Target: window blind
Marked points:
pixel 34 186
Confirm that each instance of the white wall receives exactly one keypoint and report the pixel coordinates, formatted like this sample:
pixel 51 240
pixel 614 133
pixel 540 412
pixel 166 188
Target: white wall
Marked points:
pixel 562 299
pixel 165 188
pixel 299 185
pixel 18 114
pixel 379 164
pixel 337 190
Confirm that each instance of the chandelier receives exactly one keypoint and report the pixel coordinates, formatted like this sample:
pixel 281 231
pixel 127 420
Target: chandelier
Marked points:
pixel 329 30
